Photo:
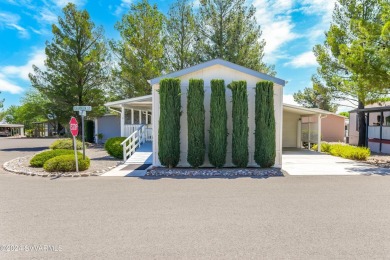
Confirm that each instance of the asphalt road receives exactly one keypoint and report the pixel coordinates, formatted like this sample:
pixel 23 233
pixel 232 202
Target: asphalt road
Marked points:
pixel 294 217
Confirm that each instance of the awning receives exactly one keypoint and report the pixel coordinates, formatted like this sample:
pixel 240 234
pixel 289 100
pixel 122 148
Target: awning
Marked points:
pixel 11 125
pixel 137 103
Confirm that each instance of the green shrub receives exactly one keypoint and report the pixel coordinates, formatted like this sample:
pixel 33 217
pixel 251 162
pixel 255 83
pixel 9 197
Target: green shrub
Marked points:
pixel 325 147
pixel 240 123
pixel 195 122
pixel 218 124
pixel 66 163
pixel 114 148
pixel 39 159
pixel 265 147
pixel 345 151
pixel 66 144
pixel 169 123
pixel 350 152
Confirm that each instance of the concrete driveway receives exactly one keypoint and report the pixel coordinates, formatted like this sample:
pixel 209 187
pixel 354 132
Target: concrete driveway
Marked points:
pixel 305 162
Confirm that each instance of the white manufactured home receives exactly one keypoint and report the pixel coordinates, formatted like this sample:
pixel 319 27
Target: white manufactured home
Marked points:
pixel 139 116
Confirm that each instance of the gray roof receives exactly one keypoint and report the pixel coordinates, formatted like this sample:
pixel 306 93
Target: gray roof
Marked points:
pixel 223 63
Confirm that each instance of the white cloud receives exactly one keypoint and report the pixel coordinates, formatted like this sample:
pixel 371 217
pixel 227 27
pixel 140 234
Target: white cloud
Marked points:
pixel 196 3
pixel 21 72
pixel 11 21
pixel 306 59
pixel 47 16
pixel 289 99
pixel 322 9
pixel 23 33
pixel 122 7
pixel 276 24
pixel 319 7
pixel 63 3
pixel 8 86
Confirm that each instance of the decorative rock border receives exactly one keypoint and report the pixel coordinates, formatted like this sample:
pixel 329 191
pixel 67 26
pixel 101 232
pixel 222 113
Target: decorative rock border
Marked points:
pixel 16 166
pixel 213 172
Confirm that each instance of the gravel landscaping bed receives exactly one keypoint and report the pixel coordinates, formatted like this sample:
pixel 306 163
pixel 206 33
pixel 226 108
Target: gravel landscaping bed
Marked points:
pixel 213 172
pixel 380 160
pixel 101 162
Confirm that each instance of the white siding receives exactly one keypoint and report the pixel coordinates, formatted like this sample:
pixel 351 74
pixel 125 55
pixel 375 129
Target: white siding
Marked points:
pixel 290 127
pixel 229 75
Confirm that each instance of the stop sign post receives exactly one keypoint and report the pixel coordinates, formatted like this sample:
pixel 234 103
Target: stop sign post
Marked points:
pixel 74 129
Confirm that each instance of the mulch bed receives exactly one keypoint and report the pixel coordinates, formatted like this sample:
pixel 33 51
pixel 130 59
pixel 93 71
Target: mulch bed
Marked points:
pixel 213 172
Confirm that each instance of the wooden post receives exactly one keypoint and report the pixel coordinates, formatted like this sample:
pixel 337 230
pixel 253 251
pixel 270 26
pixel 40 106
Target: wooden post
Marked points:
pixel 132 116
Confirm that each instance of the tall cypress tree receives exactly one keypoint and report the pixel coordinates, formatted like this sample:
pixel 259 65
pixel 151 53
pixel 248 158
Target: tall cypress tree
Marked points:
pixel 218 124
pixel 240 123
pixel 169 123
pixel 195 121
pixel 265 124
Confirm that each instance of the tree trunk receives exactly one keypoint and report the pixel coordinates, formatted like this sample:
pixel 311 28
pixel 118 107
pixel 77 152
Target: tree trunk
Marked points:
pixel 362 125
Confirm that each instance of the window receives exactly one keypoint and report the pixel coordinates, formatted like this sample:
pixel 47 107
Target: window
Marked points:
pixel 387 120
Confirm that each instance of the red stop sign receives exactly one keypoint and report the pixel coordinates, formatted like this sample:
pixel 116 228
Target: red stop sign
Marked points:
pixel 74 126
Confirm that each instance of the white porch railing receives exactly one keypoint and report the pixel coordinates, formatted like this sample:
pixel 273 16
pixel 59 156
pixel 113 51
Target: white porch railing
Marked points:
pixel 149 134
pixel 135 140
pixel 129 129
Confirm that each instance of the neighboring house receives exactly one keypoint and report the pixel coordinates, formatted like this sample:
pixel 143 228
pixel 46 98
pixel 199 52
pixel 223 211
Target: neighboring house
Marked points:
pixel 378 127
pixel 47 129
pixel 333 128
pixel 109 126
pixel 11 129
pixel 294 124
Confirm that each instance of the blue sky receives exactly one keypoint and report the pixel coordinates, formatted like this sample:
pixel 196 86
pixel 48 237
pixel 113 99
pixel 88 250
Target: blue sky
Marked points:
pixel 290 27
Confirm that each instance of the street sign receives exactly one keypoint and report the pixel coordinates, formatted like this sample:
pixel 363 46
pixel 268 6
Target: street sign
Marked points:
pixel 82 108
pixel 74 126
pixel 83 113
pixel 74 129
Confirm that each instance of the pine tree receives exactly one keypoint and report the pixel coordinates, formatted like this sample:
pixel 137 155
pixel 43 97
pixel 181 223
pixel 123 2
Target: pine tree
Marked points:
pixel 240 123
pixel 140 50
pixel 196 123
pixel 228 30
pixel 218 124
pixel 169 123
pixel 77 67
pixel 265 147
pixel 179 36
pixel 346 56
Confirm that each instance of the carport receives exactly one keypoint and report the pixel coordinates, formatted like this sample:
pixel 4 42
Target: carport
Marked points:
pixel 301 126
pixel 11 129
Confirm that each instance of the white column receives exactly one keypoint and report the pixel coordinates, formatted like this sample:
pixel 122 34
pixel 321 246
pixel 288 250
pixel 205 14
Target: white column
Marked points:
pixel 299 134
pixel 132 116
pixel 147 117
pixel 319 132
pixel 96 130
pixel 21 131
pixel 140 117
pixel 123 121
